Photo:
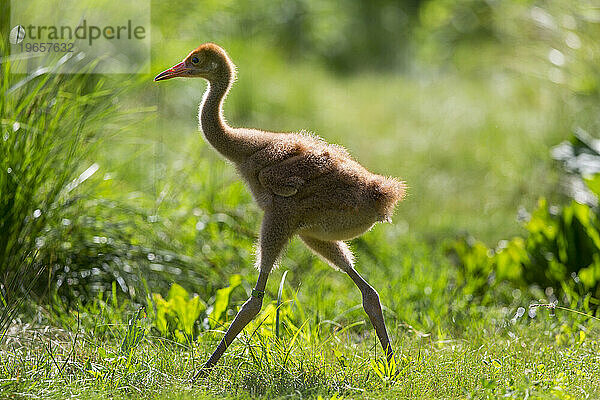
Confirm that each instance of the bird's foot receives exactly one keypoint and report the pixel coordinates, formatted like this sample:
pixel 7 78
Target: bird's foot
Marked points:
pixel 203 372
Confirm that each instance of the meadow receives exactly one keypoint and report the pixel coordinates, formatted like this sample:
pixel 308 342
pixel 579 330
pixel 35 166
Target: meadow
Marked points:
pixel 127 243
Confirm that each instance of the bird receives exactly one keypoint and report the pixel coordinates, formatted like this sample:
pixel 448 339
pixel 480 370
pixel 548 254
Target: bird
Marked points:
pixel 304 186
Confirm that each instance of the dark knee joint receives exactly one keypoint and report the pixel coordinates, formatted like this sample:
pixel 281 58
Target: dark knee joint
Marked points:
pixel 252 306
pixel 371 302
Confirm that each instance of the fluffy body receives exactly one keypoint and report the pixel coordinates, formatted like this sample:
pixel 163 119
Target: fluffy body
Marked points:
pixel 316 187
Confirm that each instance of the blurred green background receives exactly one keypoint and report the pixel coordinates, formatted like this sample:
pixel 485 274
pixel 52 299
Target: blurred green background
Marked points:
pixel 461 99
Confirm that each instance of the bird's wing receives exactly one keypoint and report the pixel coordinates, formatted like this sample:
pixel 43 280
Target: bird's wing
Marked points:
pixel 287 177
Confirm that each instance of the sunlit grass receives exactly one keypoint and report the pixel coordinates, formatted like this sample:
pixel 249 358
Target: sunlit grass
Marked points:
pixel 49 123
pixel 502 354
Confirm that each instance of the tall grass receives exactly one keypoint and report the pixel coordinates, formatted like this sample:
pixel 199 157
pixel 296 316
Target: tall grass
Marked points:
pixel 49 123
pixel 67 217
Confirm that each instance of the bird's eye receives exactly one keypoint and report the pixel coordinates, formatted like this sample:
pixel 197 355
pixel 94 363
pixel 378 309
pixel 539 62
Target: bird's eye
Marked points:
pixel 195 60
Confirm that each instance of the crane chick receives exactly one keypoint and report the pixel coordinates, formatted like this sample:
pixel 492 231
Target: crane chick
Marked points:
pixel 305 187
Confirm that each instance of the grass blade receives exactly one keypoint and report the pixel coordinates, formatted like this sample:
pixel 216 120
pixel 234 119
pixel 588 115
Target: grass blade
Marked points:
pixel 279 294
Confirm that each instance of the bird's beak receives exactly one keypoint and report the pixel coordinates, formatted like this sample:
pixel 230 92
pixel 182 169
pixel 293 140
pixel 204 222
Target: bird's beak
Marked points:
pixel 173 72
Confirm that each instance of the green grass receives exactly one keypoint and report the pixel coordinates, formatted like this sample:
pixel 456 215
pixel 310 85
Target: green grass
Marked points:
pixel 445 347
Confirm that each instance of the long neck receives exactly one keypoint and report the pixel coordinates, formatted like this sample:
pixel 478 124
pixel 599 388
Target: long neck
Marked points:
pixel 220 135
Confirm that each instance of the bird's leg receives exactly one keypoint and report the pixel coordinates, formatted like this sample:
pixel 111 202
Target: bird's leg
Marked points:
pixel 273 238
pixel 339 255
pixel 372 307
pixel 249 310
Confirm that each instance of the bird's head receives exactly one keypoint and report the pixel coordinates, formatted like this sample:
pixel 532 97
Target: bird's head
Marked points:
pixel 209 61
